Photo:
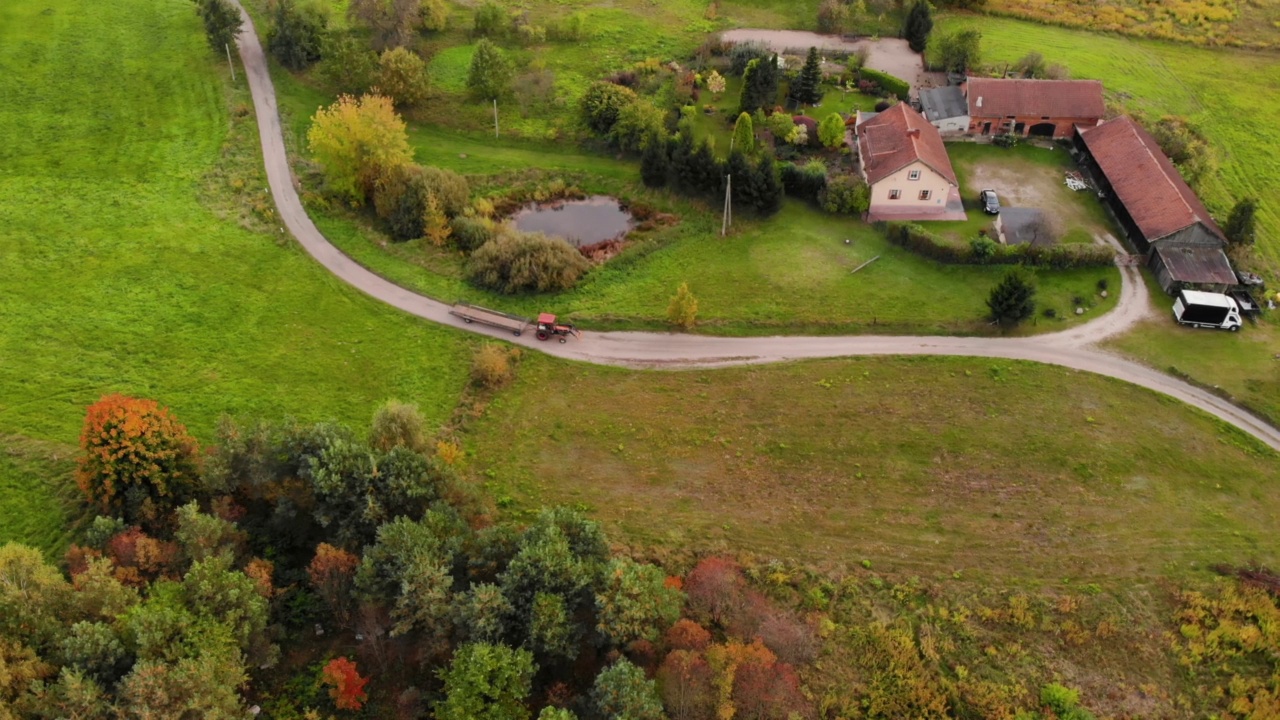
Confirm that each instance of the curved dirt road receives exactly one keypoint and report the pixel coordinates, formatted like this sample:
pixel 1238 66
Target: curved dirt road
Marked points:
pixel 664 350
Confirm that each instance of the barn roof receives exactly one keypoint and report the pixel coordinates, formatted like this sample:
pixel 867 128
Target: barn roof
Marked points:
pixel 1197 264
pixel 995 97
pixel 1144 180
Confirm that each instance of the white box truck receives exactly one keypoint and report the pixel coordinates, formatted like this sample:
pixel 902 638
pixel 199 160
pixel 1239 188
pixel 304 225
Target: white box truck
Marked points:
pixel 1203 309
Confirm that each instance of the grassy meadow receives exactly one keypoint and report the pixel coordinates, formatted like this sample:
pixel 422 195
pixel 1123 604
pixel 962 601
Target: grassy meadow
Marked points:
pixel 1005 473
pixel 130 177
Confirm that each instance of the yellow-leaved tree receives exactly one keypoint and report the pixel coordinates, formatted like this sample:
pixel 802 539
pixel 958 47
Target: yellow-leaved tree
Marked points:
pixel 355 140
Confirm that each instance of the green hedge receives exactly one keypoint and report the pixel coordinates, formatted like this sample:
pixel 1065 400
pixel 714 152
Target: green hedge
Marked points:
pixel 895 86
pixel 1059 257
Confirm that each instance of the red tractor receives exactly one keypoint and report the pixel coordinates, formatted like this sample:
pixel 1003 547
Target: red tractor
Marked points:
pixel 547 327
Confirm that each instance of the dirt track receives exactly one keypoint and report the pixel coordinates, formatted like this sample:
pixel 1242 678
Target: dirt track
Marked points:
pixel 1073 348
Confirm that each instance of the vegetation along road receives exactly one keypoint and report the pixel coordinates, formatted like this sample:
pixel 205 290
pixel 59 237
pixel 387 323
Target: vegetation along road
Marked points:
pixel 1073 349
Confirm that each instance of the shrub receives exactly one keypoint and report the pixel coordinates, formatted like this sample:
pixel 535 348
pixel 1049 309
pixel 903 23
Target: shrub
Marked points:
pixel 602 103
pixel 807 182
pixel 402 76
pixel 470 233
pixel 1241 227
pixel 833 16
pixel 137 460
pixel 638 121
pixel 831 131
pixel 984 248
pixel 846 194
pixel 398 424
pixel 490 20
pixel 682 311
pixel 491 366
pixel 516 262
pixel 894 86
pixel 400 198
pixel 655 163
pixel 571 28
pixel 449 188
pixel 744 135
pixel 348 65
pixel 1007 140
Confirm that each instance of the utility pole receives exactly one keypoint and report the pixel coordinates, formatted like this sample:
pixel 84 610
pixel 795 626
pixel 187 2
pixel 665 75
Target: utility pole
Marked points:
pixel 495 117
pixel 229 63
pixel 728 206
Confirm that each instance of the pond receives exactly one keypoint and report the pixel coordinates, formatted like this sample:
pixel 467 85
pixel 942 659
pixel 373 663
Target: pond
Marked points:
pixel 581 222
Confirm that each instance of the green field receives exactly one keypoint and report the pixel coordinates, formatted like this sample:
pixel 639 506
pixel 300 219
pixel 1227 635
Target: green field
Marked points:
pixel 1233 95
pixel 120 275
pixel 1006 472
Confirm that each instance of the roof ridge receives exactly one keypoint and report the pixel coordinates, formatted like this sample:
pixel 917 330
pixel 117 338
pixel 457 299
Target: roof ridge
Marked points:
pixel 1132 125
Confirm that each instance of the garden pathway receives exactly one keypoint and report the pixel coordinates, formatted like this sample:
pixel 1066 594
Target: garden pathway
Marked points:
pixel 1073 348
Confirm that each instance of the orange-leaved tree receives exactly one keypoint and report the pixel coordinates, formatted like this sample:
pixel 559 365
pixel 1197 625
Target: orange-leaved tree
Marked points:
pixel 355 141
pixel 346 687
pixel 138 461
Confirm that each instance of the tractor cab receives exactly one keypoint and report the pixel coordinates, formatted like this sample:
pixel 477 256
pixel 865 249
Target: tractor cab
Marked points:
pixel 547 327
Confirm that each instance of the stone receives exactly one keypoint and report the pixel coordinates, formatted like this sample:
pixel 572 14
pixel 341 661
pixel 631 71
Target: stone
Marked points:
pixel 1079 311
pixel 1103 293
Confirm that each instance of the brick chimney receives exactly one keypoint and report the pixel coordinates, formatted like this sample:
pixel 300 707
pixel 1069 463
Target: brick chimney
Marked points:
pixel 913 133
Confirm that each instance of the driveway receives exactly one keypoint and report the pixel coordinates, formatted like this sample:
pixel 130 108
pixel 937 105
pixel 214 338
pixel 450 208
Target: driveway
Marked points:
pixel 891 55
pixel 1073 348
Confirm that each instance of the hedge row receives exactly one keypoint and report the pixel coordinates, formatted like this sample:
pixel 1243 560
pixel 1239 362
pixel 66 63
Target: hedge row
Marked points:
pixel 895 86
pixel 1059 257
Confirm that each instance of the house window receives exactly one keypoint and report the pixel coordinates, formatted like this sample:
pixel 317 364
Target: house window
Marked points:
pixel 913 175
pixel 895 194
pixel 924 194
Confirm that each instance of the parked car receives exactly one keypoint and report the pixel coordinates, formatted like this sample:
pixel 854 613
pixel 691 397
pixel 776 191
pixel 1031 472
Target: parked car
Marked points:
pixel 990 203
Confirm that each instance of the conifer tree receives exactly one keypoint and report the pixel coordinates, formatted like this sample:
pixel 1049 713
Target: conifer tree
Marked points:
pixel 1013 299
pixel 655 163
pixel 807 89
pixel 918 25
pixel 744 134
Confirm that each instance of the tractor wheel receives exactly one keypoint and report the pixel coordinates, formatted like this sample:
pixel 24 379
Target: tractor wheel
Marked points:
pixel 516 333
pixel 542 335
pixel 564 340
pixel 467 320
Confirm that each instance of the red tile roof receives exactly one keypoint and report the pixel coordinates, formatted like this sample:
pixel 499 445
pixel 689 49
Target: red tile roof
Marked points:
pixel 897 137
pixel 993 97
pixel 1144 179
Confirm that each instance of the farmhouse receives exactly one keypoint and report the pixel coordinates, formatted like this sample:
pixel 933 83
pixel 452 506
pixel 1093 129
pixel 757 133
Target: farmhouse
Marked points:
pixel 1045 108
pixel 1158 210
pixel 904 161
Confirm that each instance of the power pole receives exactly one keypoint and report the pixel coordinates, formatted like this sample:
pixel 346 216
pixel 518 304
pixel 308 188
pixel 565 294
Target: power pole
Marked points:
pixel 229 63
pixel 728 206
pixel 495 117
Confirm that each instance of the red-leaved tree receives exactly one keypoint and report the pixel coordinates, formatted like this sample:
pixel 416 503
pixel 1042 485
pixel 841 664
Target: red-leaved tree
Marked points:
pixel 138 462
pixel 687 635
pixel 717 589
pixel 346 687
pixel 686 681
pixel 763 690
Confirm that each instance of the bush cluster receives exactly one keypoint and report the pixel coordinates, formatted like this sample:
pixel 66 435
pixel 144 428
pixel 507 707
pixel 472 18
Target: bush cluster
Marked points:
pixel 1059 257
pixel 806 182
pixel 515 262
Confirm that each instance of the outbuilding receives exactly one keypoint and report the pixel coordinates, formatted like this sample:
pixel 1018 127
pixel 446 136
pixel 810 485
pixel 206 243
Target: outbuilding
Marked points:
pixel 945 108
pixel 1159 212
pixel 1043 108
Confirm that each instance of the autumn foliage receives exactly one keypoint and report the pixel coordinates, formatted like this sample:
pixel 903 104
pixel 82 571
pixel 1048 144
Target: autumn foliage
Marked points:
pixel 355 140
pixel 137 460
pixel 332 572
pixel 346 687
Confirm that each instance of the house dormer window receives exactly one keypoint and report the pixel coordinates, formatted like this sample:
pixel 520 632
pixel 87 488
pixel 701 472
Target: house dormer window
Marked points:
pixel 913 175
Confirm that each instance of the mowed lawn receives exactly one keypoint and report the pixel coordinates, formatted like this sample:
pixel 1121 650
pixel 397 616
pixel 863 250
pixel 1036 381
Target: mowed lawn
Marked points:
pixel 1234 95
pixel 118 277
pixel 1012 472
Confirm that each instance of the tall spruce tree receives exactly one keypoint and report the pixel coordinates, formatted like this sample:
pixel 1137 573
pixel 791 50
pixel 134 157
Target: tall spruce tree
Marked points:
pixel 759 85
pixel 743 185
pixel 655 163
pixel 918 25
pixel 807 89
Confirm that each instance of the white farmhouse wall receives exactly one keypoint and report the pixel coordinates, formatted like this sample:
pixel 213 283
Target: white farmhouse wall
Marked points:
pixel 929 180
